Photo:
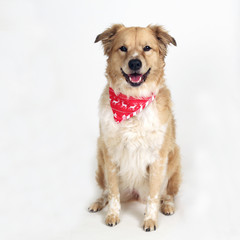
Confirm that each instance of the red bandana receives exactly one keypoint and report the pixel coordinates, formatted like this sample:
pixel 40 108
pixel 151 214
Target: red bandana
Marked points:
pixel 123 107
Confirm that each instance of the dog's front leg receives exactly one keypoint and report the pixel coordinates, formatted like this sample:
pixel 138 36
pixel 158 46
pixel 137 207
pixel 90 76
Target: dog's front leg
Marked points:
pixel 157 173
pixel 112 218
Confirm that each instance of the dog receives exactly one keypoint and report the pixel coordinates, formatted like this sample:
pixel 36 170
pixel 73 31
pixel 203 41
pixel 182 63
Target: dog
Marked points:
pixel 138 158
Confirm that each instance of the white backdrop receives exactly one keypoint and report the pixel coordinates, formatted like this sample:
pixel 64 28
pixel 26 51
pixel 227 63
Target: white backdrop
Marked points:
pixel 51 77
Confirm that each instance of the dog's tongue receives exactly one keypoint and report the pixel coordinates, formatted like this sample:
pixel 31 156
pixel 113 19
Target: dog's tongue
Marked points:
pixel 135 78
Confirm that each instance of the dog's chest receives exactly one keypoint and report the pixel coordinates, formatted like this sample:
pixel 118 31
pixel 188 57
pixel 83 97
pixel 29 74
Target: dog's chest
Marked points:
pixel 135 143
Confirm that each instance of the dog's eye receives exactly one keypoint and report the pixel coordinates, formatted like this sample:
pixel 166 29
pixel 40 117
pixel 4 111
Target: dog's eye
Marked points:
pixel 123 49
pixel 147 48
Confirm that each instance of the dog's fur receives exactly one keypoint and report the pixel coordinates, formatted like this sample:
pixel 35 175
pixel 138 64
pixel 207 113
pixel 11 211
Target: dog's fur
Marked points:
pixel 137 158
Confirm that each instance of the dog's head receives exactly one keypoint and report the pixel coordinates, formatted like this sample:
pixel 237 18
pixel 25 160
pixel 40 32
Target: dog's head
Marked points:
pixel 135 58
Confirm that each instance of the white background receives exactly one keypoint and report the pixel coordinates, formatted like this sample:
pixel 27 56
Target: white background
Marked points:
pixel 51 77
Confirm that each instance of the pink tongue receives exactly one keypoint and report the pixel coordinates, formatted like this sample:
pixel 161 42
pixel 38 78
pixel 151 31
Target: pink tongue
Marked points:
pixel 135 78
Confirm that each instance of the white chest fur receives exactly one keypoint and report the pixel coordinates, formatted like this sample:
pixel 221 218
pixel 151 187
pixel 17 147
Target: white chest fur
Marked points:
pixel 132 144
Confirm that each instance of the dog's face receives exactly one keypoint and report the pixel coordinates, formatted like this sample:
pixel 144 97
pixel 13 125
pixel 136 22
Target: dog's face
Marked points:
pixel 135 58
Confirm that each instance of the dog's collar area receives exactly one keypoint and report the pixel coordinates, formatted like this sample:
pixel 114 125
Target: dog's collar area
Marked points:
pixel 124 107
pixel 135 79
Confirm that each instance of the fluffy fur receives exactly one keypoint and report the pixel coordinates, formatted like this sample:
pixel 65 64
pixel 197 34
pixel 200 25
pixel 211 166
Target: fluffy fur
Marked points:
pixel 137 158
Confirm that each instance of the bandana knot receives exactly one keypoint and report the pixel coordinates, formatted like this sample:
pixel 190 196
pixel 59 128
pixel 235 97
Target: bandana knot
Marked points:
pixel 124 107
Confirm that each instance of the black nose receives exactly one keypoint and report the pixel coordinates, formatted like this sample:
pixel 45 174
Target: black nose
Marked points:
pixel 135 64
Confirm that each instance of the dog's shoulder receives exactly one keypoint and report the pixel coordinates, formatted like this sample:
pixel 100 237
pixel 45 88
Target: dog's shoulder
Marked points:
pixel 164 105
pixel 104 99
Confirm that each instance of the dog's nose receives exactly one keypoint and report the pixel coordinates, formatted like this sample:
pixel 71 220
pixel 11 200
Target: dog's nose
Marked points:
pixel 135 64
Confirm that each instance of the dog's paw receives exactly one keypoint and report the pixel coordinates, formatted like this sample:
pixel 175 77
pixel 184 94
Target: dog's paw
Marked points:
pixel 168 209
pixel 149 225
pixel 95 207
pixel 112 220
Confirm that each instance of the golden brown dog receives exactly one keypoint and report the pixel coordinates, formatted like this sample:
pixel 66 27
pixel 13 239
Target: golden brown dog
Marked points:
pixel 138 157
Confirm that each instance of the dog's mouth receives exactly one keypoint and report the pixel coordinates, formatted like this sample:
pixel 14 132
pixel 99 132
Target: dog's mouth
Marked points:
pixel 135 79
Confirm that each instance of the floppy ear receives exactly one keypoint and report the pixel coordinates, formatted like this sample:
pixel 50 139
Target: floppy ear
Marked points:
pixel 107 37
pixel 163 38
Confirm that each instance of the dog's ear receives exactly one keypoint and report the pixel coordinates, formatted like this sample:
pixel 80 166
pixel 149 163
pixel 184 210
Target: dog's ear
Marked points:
pixel 163 38
pixel 107 37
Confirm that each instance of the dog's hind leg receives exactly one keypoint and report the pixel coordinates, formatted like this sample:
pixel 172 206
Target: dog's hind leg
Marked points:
pixel 167 205
pixel 101 202
pixel 167 200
